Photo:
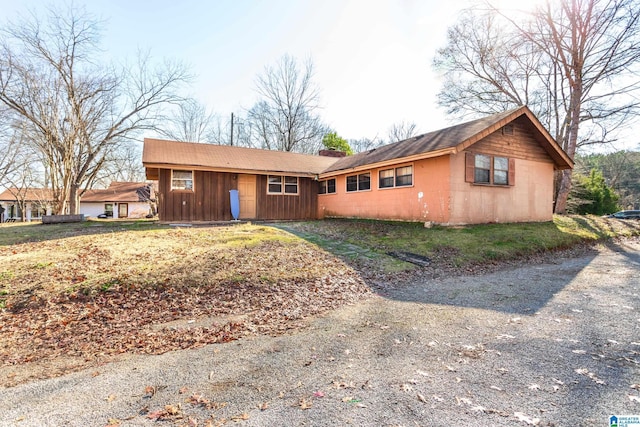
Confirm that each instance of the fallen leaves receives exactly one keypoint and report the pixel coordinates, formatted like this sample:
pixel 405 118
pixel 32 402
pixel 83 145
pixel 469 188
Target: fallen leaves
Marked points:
pixel 241 417
pixel 168 412
pixel 590 375
pixel 526 419
pixel 305 403
pixel 113 304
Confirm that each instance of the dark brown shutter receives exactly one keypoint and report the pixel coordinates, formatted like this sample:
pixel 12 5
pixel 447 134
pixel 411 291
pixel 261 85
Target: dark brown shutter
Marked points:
pixel 512 171
pixel 470 167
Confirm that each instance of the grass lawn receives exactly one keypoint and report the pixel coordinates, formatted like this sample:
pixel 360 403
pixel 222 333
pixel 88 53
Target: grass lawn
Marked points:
pixel 364 240
pixel 73 295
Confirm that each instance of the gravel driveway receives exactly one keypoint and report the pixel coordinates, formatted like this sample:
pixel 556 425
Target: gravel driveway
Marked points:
pixel 550 344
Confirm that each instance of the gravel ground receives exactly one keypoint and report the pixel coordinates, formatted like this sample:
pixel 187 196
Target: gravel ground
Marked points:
pixel 542 344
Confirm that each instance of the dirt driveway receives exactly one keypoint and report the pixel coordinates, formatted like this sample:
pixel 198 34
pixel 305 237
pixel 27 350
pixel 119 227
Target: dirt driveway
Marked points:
pixel 551 344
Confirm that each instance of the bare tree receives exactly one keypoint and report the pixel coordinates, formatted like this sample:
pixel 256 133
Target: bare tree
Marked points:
pixel 365 144
pixel 401 131
pixel 192 122
pixel 20 173
pixel 574 62
pixel 77 110
pixel 10 147
pixel 122 164
pixel 285 118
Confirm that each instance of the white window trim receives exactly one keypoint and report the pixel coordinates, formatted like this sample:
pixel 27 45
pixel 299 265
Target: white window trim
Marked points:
pixel 193 184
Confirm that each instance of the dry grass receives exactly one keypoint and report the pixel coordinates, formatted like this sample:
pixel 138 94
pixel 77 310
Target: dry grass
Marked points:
pixel 71 299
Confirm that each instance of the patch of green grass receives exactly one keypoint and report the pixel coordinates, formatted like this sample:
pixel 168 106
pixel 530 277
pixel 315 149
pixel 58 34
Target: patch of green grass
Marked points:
pixel 41 265
pixel 6 275
pixel 462 245
pixel 16 233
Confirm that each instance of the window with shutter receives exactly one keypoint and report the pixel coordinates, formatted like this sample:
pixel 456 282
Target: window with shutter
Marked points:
pixel 483 169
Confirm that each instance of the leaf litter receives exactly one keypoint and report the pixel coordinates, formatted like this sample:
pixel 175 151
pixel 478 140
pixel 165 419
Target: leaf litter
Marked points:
pixel 128 293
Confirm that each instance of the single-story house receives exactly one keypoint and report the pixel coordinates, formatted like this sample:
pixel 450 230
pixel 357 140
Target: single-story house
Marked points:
pixel 37 202
pixel 120 200
pixel 498 168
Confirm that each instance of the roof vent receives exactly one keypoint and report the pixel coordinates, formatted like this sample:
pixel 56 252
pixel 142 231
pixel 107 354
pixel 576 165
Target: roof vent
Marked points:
pixel 507 129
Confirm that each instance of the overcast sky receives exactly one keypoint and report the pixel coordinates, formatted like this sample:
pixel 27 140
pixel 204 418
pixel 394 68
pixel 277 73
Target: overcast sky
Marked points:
pixel 372 58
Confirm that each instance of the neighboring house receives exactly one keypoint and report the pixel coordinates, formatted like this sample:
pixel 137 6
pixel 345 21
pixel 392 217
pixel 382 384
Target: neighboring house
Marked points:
pixel 496 169
pixel 120 200
pixel 35 202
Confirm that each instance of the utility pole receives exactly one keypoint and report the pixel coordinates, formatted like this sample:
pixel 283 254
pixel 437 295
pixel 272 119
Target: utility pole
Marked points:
pixel 231 129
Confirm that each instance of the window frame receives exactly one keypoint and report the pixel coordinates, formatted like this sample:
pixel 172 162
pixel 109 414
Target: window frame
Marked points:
pixel 391 179
pixel 358 182
pixel 394 177
pixel 186 187
pixel 471 170
pixel 324 185
pixel 283 185
pixel 108 210
pixel 495 170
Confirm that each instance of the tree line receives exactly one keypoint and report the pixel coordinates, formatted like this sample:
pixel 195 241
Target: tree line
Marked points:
pixel 69 121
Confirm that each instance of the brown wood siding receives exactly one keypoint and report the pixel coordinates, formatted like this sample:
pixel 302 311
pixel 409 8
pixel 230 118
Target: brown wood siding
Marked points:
pixel 208 202
pixel 304 205
pixel 520 145
pixel 210 199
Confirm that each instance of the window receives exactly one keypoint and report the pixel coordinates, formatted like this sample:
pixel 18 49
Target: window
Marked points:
pixel 489 170
pixel 38 211
pixel 398 177
pixel 328 186
pixel 108 210
pixel 282 184
pixel 404 176
pixel 274 185
pixel 500 171
pixel 291 184
pixel 181 180
pixel 483 169
pixel 386 178
pixel 359 182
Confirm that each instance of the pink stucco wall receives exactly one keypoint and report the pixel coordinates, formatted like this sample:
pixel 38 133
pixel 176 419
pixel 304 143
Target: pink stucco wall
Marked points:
pixel 440 194
pixel 426 200
pixel 530 199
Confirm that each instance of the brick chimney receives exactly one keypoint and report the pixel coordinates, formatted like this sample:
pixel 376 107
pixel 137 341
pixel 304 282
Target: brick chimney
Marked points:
pixel 332 153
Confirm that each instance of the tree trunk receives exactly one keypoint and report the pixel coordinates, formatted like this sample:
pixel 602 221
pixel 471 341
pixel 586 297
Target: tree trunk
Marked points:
pixel 563 192
pixel 74 202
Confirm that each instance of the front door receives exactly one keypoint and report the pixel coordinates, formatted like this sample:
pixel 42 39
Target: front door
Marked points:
pixel 123 210
pixel 247 196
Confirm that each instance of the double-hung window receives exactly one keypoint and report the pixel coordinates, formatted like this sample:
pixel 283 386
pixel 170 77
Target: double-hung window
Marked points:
pixel 328 186
pixel 398 177
pixel 277 184
pixel 360 182
pixel 489 170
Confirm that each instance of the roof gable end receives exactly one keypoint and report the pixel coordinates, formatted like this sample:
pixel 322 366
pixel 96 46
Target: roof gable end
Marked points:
pixel 451 140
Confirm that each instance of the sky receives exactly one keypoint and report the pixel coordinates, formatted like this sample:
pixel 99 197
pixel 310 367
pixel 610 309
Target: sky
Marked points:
pixel 372 59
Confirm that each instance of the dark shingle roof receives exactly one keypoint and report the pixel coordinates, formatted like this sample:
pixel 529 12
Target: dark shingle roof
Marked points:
pixel 454 138
pixel 433 141
pixel 160 153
